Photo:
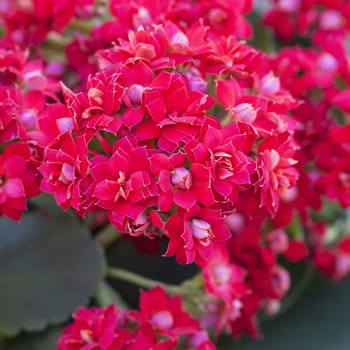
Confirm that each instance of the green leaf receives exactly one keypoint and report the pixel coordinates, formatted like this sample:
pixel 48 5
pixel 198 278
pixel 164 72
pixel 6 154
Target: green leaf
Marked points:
pixel 320 320
pixel 106 295
pixel 49 265
pixel 46 340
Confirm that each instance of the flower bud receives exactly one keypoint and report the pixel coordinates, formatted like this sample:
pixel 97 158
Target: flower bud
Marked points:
pixel 272 307
pixel 244 112
pixel 217 16
pixel 269 85
pixel 134 93
pixel 141 18
pixel 163 320
pixel 327 63
pixel 277 241
pixel 289 5
pixel 331 20
pixel 201 230
pixel 182 178
pixel 67 173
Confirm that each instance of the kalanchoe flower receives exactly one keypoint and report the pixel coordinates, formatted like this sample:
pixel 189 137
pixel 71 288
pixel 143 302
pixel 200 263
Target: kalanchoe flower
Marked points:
pixel 222 278
pixel 18 180
pixel 179 185
pixel 275 169
pixel 122 183
pixel 28 23
pixel 194 234
pixel 65 170
pixel 158 325
pixel 97 328
pixel 165 314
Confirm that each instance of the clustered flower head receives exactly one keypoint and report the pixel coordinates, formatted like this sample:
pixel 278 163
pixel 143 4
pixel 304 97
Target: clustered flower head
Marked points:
pixel 159 325
pixel 164 118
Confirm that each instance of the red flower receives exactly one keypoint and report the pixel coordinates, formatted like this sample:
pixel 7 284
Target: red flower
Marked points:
pixel 65 170
pixel 224 153
pixel 194 234
pixel 275 169
pixel 222 278
pixel 123 185
pixel 96 329
pixel 165 314
pixel 181 185
pixel 18 180
pixel 176 111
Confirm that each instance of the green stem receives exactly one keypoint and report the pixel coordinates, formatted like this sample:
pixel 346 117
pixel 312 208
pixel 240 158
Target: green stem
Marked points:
pixel 294 294
pixel 298 290
pixel 106 295
pixel 144 282
pixel 107 236
pixel 56 42
pixel 82 26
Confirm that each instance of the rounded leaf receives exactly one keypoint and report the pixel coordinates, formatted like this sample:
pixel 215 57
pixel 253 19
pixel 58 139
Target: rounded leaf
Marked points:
pixel 49 265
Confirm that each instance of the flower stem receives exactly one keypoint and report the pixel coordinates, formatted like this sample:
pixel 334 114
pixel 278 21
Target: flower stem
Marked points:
pixel 144 282
pixel 298 290
pixel 107 236
pixel 106 295
pixel 294 295
pixel 82 26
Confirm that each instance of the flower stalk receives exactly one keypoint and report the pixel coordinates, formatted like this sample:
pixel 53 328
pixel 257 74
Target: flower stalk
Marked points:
pixel 144 282
pixel 107 236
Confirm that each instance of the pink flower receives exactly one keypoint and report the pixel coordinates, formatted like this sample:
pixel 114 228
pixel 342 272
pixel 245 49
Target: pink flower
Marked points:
pixel 122 184
pixel 165 314
pixel 222 278
pixel 65 170
pixel 275 169
pixel 95 328
pixel 223 151
pixel 180 185
pixel 194 234
pixel 18 180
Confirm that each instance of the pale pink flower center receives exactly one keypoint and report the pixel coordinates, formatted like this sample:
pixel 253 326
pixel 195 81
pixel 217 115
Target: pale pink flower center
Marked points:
pixel 34 79
pixel 344 179
pixel 327 63
pixel 141 18
pixel 198 339
pixel 244 112
pixel 272 307
pixel 289 5
pixel 343 264
pixel 67 173
pixel 202 231
pixel 236 307
pixel 87 336
pixel 64 124
pixel 138 226
pixel 163 320
pixel 134 93
pixel 331 20
pixel 179 39
pixel 182 178
pixel 274 159
pixel 96 95
pixel 225 168
pixel 235 222
pixel 221 274
pixel 197 84
pixel 269 85
pixel 217 16
pixel 29 119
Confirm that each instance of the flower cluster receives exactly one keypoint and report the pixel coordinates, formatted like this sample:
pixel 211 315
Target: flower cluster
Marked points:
pixel 160 116
pixel 158 325
pixel 321 19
